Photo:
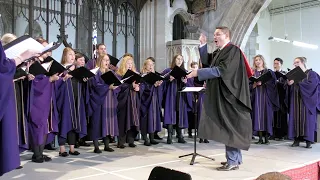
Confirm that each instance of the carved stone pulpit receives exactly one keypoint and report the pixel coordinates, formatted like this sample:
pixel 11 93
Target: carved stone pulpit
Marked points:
pixel 188 48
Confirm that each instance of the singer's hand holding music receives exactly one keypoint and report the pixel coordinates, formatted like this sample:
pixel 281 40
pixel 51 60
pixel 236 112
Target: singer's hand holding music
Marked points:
pixel 158 83
pixel 171 78
pixel 112 87
pixel 54 77
pixel 66 77
pixel 30 77
pixel 192 74
pixel 290 82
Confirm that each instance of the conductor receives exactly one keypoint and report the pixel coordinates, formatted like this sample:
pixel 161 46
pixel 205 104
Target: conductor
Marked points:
pixel 226 113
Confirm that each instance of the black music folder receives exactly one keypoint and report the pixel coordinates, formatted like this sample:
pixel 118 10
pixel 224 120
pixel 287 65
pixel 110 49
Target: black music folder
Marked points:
pixel 114 61
pixel 131 77
pixel 54 68
pixel 48 69
pixel 110 78
pixel 296 74
pixel 19 73
pixel 179 73
pixel 152 78
pixel 263 78
pixel 81 73
pixel 280 75
pixel 23 43
pixel 36 69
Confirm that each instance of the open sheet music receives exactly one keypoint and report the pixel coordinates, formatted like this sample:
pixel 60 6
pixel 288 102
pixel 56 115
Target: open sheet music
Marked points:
pixel 23 43
pixel 192 89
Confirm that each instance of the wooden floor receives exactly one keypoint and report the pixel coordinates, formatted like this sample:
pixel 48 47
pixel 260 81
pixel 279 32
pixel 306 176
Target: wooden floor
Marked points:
pixel 137 163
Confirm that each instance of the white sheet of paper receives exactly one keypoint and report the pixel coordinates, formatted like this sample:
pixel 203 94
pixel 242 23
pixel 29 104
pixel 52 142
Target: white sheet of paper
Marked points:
pixel 95 70
pixel 21 47
pixel 192 89
pixel 46 65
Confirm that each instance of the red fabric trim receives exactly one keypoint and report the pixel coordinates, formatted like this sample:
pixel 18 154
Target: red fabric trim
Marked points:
pixel 246 62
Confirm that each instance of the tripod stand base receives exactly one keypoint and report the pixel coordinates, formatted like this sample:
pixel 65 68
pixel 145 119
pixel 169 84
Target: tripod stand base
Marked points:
pixel 194 155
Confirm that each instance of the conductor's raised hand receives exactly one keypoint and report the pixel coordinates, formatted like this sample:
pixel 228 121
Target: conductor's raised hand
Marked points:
pixel 192 74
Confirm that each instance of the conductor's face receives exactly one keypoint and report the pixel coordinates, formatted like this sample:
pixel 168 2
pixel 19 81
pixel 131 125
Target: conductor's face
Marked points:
pixel 220 38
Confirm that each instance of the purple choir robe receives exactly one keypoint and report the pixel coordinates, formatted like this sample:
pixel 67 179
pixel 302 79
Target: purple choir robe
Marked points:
pixel 303 100
pixel 151 115
pixel 71 102
pixel 264 100
pixel 43 115
pixel 91 64
pixel 128 109
pixel 9 151
pixel 102 109
pixel 175 102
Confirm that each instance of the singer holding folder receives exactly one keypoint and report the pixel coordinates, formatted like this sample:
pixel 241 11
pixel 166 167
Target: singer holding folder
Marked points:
pixel 102 106
pixel 9 153
pixel 302 100
pixel 264 99
pixel 226 114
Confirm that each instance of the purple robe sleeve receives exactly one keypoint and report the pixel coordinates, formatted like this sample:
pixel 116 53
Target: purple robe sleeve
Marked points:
pixel 7 70
pixel 309 90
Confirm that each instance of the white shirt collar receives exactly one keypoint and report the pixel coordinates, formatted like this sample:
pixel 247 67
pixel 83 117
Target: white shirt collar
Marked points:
pixel 224 45
pixel 201 45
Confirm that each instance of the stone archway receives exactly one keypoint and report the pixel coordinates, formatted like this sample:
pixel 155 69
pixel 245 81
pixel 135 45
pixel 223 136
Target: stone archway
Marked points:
pixel 183 13
pixel 242 20
pixel 239 16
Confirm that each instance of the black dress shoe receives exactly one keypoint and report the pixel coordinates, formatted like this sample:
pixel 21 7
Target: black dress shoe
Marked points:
pixel 295 144
pixel 228 167
pixel 132 145
pixel 259 142
pixel 64 154
pixel 121 146
pixel 146 143
pixel 108 149
pixel 38 160
pixel 308 145
pixel 20 167
pixel 201 140
pixel 46 158
pixel 206 141
pixel 181 140
pixel 75 153
pixel 97 150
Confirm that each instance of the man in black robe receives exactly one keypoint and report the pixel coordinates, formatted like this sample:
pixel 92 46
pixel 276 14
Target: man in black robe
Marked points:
pixel 226 114
pixel 280 125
